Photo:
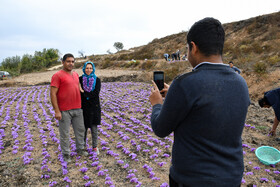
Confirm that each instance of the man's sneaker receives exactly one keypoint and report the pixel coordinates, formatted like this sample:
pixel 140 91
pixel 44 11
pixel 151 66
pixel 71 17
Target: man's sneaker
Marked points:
pixel 66 158
pixel 96 150
pixel 82 152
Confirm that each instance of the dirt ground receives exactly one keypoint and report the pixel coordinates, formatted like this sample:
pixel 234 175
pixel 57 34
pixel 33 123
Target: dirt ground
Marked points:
pixel 130 106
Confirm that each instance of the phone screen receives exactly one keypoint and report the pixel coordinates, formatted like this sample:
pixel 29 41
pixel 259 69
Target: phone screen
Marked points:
pixel 159 79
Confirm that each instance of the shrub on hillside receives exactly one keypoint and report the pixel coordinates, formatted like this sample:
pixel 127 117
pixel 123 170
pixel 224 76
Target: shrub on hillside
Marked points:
pixel 148 64
pixel 260 67
pixel 273 59
pixel 106 64
pixel 132 64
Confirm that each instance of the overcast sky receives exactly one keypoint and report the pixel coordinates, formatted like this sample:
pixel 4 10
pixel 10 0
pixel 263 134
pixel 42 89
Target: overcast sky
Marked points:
pixel 93 26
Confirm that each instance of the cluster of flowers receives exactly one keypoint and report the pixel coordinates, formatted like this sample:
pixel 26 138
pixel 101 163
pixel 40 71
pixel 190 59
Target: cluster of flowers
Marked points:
pixel 125 118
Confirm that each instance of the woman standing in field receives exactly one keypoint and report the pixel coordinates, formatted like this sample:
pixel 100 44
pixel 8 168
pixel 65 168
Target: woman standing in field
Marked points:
pixel 90 86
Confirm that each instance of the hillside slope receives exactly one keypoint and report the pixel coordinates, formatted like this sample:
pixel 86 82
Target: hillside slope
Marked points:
pixel 253 44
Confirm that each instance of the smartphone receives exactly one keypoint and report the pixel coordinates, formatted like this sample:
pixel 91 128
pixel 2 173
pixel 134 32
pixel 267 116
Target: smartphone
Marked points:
pixel 159 79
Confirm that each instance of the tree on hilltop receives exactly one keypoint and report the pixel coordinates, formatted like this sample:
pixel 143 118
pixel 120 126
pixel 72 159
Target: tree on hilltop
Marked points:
pixel 118 45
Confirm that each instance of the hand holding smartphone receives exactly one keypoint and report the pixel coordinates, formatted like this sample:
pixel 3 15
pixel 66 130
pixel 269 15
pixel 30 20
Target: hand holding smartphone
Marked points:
pixel 159 79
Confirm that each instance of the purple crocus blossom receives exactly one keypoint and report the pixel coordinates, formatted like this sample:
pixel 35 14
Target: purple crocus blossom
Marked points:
pixel 86 177
pixel 67 179
pixel 52 183
pixel 249 173
pixel 126 166
pixel 84 169
pixel 264 180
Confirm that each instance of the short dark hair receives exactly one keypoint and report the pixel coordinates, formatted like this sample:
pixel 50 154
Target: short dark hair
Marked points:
pixel 263 101
pixel 209 36
pixel 67 56
pixel 230 62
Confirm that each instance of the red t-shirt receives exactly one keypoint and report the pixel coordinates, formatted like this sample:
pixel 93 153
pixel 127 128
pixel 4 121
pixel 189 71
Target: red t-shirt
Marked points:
pixel 68 95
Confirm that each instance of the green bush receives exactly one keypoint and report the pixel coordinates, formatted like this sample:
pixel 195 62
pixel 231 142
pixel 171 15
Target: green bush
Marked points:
pixel 106 64
pixel 147 65
pixel 260 67
pixel 273 59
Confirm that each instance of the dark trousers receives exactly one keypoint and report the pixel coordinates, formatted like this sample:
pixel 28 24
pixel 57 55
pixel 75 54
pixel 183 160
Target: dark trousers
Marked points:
pixel 173 183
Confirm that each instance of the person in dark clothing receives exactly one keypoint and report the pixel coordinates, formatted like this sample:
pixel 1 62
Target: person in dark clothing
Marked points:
pixel 233 67
pixel 206 110
pixel 272 98
pixel 90 86
pixel 174 56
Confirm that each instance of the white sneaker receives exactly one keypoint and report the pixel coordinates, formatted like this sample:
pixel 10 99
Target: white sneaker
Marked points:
pixel 96 150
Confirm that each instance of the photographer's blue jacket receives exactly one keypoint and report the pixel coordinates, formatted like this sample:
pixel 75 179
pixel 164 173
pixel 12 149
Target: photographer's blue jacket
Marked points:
pixel 273 97
pixel 206 110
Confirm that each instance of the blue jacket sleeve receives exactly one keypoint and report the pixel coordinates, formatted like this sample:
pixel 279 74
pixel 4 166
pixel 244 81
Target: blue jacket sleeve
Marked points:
pixel 167 117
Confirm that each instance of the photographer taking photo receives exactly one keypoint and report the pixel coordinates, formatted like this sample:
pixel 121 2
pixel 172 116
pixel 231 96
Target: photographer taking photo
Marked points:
pixel 206 110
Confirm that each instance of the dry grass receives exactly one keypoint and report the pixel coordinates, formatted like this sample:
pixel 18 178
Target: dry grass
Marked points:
pixel 260 83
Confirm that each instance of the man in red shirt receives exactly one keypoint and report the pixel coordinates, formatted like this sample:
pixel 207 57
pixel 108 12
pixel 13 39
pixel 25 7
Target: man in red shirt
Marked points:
pixel 66 101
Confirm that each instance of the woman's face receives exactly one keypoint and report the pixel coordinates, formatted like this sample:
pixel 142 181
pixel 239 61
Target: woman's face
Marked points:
pixel 88 69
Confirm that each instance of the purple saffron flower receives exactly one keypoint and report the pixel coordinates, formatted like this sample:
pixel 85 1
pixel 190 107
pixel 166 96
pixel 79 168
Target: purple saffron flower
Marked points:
pixel 130 175
pixel 164 184
pixel 101 173
pixel 84 169
pixel 67 179
pixel 243 181
pixel 257 168
pixel 249 173
pixel 86 177
pixel 109 182
pixel 264 180
pixel 276 172
pixel 95 163
pixel 52 183
pixel 166 155
pixel 161 163
pixel 126 166
pixel 134 180
pixel 152 174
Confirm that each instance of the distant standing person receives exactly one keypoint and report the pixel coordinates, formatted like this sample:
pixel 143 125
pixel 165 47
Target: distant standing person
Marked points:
pixel 166 56
pixel 90 89
pixel 233 67
pixel 178 54
pixel 206 109
pixel 272 98
pixel 66 101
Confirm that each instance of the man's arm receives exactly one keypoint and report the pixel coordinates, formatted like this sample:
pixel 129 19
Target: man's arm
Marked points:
pixel 237 70
pixel 274 127
pixel 167 116
pixel 53 93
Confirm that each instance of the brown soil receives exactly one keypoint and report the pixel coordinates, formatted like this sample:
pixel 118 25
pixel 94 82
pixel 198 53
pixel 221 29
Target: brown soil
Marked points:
pixel 130 101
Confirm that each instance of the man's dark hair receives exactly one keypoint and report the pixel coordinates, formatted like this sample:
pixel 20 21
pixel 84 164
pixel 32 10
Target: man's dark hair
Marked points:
pixel 209 36
pixel 230 62
pixel 263 101
pixel 67 56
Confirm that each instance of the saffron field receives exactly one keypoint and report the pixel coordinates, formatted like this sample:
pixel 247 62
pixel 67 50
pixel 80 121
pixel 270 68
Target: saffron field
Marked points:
pixel 130 153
